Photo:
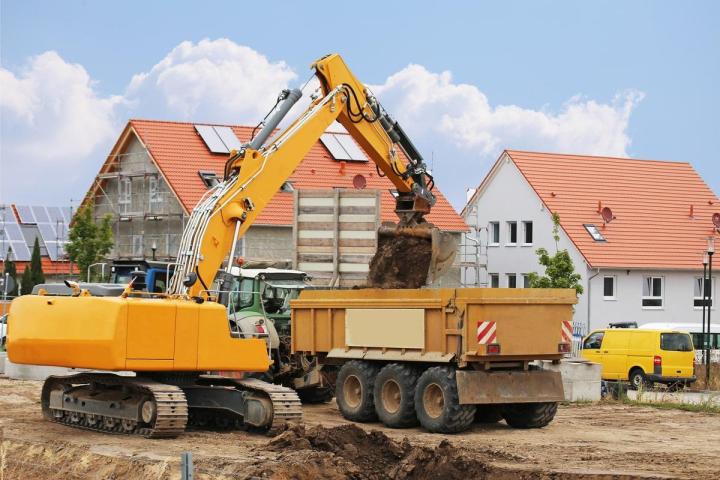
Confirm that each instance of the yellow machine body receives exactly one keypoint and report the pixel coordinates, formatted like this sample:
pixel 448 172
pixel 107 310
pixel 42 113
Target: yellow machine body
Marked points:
pixel 133 333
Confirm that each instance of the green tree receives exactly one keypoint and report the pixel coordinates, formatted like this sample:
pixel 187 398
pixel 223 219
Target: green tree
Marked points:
pixel 89 242
pixel 10 269
pixel 26 283
pixel 36 270
pixel 559 268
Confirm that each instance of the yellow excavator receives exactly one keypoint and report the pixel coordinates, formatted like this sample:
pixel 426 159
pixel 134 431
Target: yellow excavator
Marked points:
pixel 153 351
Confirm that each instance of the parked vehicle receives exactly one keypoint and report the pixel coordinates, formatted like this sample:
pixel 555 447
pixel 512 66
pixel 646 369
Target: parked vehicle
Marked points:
pixel 3 330
pixel 642 357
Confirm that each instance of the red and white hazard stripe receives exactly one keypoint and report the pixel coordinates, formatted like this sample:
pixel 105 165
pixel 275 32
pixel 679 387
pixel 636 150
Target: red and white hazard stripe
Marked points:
pixel 567 331
pixel 486 332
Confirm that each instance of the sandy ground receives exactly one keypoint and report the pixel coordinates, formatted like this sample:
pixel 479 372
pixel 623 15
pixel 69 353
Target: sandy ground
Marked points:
pixel 587 441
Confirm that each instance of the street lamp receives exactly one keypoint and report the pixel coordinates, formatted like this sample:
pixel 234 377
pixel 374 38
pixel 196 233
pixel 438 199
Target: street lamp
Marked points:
pixel 154 249
pixel 703 294
pixel 710 252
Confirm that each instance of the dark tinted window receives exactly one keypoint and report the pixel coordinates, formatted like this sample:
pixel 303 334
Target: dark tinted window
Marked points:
pixel 594 340
pixel 675 342
pixel 609 287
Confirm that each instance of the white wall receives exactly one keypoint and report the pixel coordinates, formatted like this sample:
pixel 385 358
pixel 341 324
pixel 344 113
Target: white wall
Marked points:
pixel 677 298
pixel 507 196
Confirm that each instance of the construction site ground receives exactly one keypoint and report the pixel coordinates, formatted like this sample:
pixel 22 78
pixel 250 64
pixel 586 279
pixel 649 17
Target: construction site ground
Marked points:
pixel 588 441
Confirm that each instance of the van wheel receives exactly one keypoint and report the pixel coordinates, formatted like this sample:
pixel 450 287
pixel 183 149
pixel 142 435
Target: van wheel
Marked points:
pixel 638 380
pixel 354 391
pixel 395 395
pixel 437 404
pixel 529 415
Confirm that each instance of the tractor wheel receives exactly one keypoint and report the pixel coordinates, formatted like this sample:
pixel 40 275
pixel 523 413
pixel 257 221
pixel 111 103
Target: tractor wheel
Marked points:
pixel 395 395
pixel 529 415
pixel 437 405
pixel 354 391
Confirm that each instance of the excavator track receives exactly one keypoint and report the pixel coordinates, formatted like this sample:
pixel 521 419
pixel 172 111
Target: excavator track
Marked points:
pixel 285 401
pixel 170 407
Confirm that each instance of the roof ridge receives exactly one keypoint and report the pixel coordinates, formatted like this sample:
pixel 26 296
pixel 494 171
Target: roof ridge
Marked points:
pixel 177 122
pixel 607 157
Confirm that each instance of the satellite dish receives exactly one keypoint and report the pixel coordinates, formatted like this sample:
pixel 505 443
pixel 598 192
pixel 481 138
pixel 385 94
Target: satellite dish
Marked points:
pixel 607 214
pixel 716 219
pixel 359 182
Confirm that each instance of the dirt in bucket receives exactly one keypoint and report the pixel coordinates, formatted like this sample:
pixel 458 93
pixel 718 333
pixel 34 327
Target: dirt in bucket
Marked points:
pixel 400 262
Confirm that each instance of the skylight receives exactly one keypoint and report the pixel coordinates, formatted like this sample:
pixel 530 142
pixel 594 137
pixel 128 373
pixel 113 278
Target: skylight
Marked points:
pixel 210 179
pixel 594 232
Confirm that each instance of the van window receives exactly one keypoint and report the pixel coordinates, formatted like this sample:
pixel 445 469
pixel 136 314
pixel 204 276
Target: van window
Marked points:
pixel 675 342
pixel 594 340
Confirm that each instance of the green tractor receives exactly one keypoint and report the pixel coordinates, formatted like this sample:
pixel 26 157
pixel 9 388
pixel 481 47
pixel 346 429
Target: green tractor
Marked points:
pixel 258 303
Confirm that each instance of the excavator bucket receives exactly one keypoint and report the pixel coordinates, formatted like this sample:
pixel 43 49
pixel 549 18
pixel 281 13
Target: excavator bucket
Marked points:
pixel 410 257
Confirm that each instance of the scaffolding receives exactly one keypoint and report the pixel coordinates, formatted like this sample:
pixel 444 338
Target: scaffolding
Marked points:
pixel 147 217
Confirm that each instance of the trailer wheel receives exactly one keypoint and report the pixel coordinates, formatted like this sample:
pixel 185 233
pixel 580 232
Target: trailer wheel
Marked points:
pixel 488 414
pixel 529 415
pixel 354 391
pixel 395 395
pixel 437 404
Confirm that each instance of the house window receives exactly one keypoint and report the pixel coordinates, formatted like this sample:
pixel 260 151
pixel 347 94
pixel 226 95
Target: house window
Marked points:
pixel 609 288
pixel 154 191
pixel 652 295
pixel 137 245
pixel 699 293
pixel 511 280
pixel 494 233
pixel 125 194
pixel 210 179
pixel 512 233
pixel 494 280
pixel 526 280
pixel 527 233
pixel 594 232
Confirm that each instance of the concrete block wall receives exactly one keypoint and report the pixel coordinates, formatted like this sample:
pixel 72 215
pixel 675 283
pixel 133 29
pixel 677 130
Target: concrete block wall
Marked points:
pixel 581 379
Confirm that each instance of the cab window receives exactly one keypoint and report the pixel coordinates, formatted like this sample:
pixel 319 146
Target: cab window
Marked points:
pixel 675 342
pixel 241 294
pixel 594 340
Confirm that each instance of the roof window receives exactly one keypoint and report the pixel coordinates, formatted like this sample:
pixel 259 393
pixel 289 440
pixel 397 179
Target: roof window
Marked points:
pixel 210 179
pixel 594 232
pixel 342 147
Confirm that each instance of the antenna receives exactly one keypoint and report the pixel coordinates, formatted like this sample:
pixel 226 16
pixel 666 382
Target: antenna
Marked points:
pixel 607 215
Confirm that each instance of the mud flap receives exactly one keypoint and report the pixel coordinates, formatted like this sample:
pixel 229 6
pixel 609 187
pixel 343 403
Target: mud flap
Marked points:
pixel 532 386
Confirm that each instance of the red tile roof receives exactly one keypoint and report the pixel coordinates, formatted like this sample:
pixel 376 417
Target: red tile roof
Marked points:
pixel 652 202
pixel 180 152
pixel 49 267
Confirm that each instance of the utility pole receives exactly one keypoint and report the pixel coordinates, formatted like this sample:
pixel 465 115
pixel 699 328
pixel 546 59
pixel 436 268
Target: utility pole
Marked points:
pixel 710 251
pixel 703 293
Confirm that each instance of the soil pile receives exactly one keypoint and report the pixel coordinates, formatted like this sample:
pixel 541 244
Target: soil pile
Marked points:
pixel 362 455
pixel 400 262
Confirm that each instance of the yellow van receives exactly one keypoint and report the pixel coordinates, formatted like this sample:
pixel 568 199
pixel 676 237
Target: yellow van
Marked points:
pixel 643 357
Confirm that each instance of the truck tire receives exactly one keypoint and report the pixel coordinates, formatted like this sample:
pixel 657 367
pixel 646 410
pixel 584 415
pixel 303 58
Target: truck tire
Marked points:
pixel 488 414
pixel 529 415
pixel 437 404
pixel 394 395
pixel 354 391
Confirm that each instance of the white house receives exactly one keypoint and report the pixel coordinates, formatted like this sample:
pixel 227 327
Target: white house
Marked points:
pixel 636 231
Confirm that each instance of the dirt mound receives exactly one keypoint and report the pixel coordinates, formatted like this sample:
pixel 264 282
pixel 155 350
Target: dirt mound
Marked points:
pixel 373 455
pixel 400 262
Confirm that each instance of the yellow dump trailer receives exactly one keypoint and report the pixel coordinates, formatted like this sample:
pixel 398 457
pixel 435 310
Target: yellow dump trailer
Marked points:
pixel 439 357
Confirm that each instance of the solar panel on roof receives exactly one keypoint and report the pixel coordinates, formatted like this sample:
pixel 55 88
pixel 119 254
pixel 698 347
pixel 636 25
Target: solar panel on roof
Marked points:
pixel 61 230
pixel 20 251
pixel 55 214
pixel 47 232
pixel 12 230
pixel 41 215
pixel 67 214
pixel 354 152
pixel 336 149
pixel 55 250
pixel 211 139
pixel 228 138
pixel 26 215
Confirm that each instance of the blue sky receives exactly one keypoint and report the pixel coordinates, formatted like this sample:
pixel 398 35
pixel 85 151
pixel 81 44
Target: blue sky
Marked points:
pixel 466 79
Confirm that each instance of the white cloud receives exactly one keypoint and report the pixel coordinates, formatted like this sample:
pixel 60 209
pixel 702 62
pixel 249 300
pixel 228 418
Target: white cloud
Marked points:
pixel 51 112
pixel 213 81
pixel 431 104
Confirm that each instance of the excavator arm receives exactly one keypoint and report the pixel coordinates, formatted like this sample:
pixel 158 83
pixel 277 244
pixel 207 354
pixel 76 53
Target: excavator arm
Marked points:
pixel 255 173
